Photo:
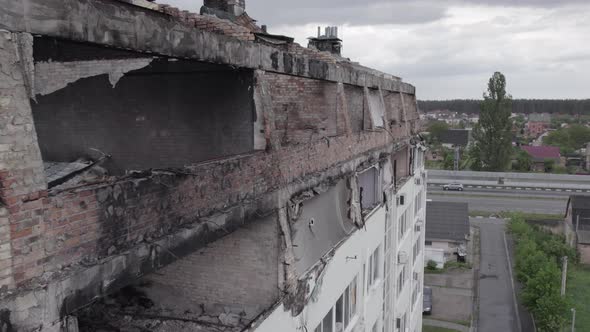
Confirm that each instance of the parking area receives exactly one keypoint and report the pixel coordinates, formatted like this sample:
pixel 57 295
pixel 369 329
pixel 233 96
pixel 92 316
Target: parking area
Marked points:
pixel 452 295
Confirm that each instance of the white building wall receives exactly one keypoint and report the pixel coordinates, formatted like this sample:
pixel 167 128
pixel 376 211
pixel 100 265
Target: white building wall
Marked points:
pixel 351 259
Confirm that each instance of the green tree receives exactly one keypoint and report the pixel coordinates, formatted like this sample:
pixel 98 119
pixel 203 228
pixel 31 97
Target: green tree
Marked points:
pixel 549 164
pixel 569 139
pixel 492 135
pixel 524 162
pixel 449 161
pixel 435 130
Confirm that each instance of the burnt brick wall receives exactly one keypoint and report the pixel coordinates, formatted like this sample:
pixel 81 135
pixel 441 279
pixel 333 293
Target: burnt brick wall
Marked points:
pixel 87 224
pixel 306 109
pixel 356 106
pixel 149 120
pixel 21 169
pixel 240 269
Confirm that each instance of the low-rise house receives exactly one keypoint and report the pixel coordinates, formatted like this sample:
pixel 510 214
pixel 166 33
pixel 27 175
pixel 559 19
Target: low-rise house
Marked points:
pixel 541 154
pixel 447 231
pixel 535 129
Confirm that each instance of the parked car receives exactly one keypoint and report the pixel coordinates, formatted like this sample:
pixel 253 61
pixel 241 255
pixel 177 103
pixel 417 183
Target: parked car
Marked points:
pixel 453 186
pixel 427 301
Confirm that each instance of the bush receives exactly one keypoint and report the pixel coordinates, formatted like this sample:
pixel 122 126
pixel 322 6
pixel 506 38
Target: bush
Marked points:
pixel 538 254
pixel 431 265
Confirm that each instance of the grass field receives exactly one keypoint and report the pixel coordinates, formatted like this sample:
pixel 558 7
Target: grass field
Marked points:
pixel 578 291
pixel 436 329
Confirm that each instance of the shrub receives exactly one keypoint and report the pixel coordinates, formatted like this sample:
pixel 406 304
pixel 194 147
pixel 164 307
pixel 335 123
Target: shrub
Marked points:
pixel 538 254
pixel 431 265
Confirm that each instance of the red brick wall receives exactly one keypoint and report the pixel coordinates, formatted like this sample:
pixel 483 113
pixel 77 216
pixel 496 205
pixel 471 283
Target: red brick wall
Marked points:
pixel 50 231
pixel 53 232
pixel 305 109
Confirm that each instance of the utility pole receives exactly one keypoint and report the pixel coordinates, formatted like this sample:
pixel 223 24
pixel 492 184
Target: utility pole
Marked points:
pixel 457 158
pixel 573 319
pixel 563 274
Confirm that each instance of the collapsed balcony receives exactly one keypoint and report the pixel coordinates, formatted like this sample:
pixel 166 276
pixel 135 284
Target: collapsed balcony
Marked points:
pixel 126 111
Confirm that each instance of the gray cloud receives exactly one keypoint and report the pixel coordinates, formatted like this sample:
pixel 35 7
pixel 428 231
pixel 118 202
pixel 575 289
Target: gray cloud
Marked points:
pixel 448 49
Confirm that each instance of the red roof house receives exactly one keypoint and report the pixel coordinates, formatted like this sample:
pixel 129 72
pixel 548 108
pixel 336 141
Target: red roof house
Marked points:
pixel 541 153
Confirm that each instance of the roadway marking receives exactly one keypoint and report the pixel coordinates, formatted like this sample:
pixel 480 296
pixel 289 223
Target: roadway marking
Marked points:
pixel 538 189
pixel 489 187
pixel 548 189
pixel 558 190
pixel 578 191
pixel 568 190
pixel 479 187
pixel 498 187
pixel 518 188
pixel 527 189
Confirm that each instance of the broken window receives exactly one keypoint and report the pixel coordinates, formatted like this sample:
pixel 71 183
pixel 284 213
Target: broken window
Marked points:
pixel 369 189
pixel 329 213
pixel 376 108
pixel 142 111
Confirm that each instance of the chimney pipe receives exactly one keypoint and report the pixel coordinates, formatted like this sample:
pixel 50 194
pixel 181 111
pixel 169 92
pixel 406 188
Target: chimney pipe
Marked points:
pixel 319 32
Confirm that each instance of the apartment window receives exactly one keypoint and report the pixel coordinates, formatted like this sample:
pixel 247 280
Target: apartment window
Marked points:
pixel 373 271
pixel 418 203
pixel 340 316
pixel 415 294
pixel 416 249
pixel 403 224
pixel 428 243
pixel 369 188
pixel 401 279
pixel 401 323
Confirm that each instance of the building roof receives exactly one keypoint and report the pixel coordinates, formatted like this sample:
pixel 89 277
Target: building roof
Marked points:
pixel 579 202
pixel 540 153
pixel 447 221
pixel 457 137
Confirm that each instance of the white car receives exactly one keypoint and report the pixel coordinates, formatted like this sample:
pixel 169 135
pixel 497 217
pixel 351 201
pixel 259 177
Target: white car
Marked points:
pixel 453 186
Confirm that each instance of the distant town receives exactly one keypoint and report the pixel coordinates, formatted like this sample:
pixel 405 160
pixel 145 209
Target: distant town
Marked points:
pixel 547 142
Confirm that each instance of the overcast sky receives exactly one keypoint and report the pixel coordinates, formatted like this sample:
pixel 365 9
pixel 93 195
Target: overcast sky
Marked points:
pixel 449 48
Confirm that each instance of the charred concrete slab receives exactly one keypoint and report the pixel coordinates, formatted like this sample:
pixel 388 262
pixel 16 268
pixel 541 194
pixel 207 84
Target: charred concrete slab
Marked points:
pixel 120 25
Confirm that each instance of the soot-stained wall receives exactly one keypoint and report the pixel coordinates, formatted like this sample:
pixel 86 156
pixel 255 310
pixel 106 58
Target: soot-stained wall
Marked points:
pixel 169 114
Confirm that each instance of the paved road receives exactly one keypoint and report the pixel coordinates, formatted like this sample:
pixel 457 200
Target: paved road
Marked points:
pixel 496 295
pixel 483 190
pixel 506 202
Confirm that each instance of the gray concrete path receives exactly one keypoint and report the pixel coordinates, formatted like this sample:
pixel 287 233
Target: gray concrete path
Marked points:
pixel 447 325
pixel 496 295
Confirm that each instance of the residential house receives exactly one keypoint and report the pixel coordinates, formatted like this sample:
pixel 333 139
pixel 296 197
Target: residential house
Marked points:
pixel 541 154
pixel 535 129
pixel 447 231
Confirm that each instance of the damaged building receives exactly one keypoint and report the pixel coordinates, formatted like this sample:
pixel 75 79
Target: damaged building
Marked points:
pixel 162 170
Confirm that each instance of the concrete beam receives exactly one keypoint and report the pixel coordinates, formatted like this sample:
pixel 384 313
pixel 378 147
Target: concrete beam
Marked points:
pixel 123 25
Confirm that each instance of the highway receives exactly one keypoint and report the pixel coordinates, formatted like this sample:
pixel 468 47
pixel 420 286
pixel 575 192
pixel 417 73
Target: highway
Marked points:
pixel 498 200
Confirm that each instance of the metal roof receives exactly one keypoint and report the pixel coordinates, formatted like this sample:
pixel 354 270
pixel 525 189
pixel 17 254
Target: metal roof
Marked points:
pixel 447 221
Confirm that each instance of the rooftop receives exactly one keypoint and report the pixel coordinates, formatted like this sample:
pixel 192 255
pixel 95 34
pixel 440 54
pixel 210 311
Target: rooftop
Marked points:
pixel 540 153
pixel 447 221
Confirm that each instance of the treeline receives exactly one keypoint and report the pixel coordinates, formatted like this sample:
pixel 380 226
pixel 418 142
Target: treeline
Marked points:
pixel 564 106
